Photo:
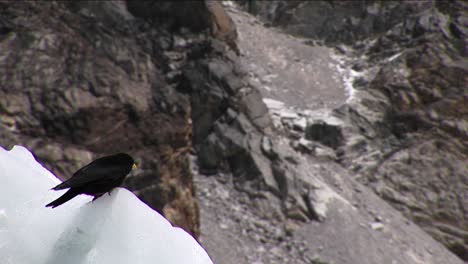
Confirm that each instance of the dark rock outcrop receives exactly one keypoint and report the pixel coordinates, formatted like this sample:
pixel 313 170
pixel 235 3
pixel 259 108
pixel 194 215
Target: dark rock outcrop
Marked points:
pixel 329 135
pixel 230 126
pixel 337 22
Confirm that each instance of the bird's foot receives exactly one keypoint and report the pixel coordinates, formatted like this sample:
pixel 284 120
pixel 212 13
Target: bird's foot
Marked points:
pixel 96 196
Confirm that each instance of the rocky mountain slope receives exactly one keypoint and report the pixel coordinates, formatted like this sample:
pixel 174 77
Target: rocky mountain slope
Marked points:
pixel 265 129
pixel 407 117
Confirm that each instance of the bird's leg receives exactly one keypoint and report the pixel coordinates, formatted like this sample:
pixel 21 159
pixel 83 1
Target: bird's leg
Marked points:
pixel 97 196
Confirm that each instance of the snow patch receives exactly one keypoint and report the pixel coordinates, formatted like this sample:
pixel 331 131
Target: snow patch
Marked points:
pixel 392 58
pixel 348 76
pixel 273 104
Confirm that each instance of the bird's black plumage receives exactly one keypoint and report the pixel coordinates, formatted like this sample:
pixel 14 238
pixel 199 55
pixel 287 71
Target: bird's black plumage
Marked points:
pixel 96 178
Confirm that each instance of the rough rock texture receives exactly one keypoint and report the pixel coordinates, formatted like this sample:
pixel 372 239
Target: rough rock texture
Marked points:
pixel 344 222
pixel 407 120
pixel 337 21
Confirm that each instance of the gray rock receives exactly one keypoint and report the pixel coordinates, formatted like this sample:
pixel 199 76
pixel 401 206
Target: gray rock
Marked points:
pixel 268 149
pixel 256 110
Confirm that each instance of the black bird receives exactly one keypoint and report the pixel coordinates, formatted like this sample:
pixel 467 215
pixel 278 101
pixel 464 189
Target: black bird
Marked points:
pixel 96 178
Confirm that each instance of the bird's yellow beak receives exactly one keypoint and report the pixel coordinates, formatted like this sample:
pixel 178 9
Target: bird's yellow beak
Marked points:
pixel 134 166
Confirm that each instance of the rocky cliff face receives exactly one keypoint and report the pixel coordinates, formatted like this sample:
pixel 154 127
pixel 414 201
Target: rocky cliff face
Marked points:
pixel 406 121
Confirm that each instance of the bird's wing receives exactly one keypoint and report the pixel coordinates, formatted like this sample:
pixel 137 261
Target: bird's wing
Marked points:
pixel 88 174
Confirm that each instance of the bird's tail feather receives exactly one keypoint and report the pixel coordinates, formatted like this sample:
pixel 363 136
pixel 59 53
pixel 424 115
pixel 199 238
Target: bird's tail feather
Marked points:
pixel 63 199
pixel 62 186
